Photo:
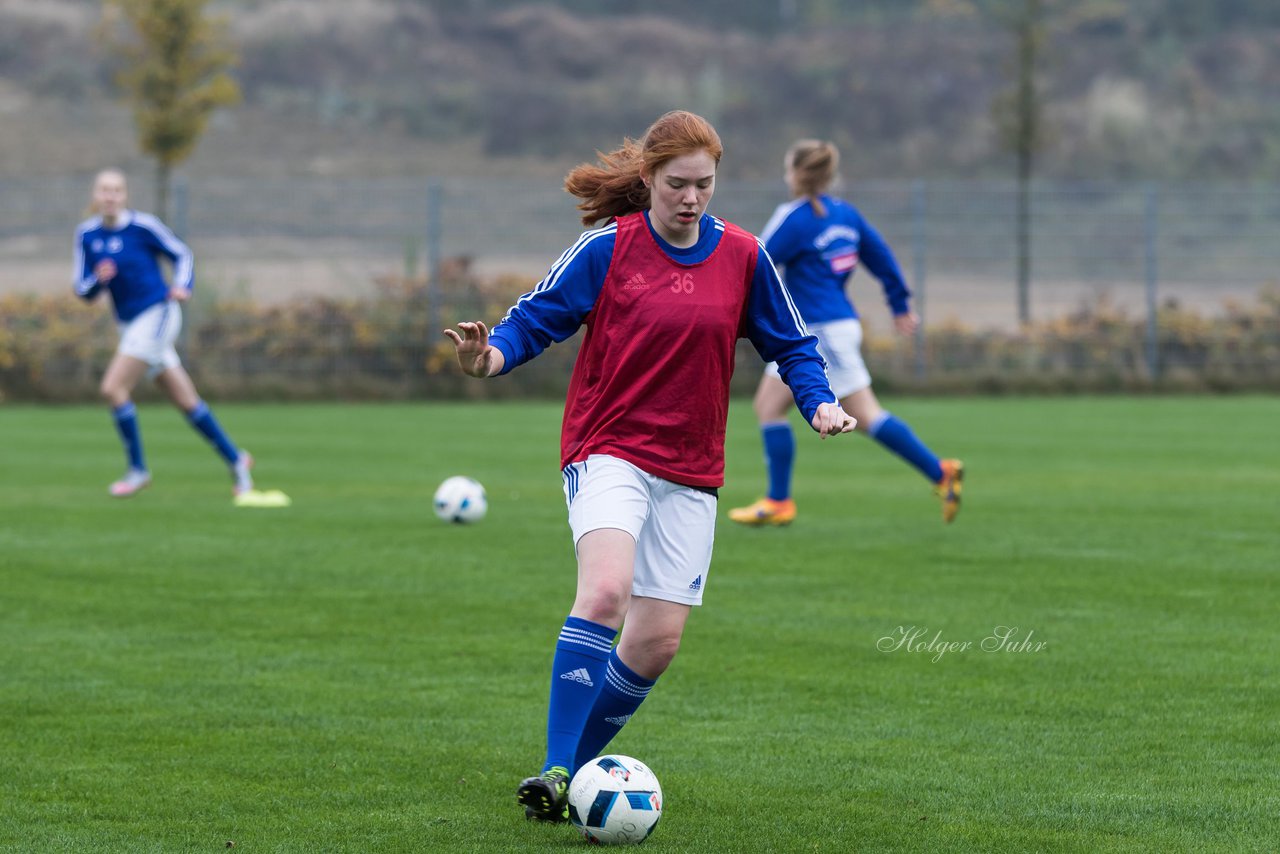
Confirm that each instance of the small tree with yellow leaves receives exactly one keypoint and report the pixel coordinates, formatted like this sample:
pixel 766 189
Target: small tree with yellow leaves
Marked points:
pixel 175 72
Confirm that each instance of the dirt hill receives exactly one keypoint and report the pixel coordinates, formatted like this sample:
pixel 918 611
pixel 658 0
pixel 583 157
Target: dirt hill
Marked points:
pixel 379 87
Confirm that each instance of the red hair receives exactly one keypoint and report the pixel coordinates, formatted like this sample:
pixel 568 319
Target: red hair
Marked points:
pixel 614 186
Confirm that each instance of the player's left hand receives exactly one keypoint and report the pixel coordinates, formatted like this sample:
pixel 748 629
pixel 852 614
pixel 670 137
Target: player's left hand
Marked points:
pixel 178 294
pixel 476 356
pixel 906 323
pixel 831 420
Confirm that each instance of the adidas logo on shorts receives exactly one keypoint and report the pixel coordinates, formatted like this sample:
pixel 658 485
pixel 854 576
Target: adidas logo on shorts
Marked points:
pixel 580 675
pixel 696 584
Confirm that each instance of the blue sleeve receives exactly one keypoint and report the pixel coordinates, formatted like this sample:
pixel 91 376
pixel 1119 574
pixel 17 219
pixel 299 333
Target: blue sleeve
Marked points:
pixel 775 329
pixel 161 239
pixel 878 258
pixel 555 309
pixel 783 235
pixel 84 279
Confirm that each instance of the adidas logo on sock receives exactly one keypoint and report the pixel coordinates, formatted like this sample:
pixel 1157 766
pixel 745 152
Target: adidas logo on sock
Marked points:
pixel 580 675
pixel 619 721
pixel 696 584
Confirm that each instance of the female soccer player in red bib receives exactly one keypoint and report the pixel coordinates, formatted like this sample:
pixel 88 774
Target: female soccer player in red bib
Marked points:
pixel 664 290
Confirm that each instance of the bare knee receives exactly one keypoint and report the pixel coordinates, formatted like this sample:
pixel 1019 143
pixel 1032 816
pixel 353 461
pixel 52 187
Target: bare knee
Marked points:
pixel 605 604
pixel 113 393
pixel 764 411
pixel 650 657
pixel 661 652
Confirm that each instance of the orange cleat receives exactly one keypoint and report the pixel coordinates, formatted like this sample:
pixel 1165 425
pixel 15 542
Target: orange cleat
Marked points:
pixel 948 489
pixel 766 511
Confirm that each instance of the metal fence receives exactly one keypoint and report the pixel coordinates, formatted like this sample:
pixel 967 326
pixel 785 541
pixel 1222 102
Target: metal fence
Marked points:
pixel 266 240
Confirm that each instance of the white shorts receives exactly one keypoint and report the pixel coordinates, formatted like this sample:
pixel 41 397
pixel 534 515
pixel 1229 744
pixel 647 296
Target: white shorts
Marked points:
pixel 150 336
pixel 673 525
pixel 840 343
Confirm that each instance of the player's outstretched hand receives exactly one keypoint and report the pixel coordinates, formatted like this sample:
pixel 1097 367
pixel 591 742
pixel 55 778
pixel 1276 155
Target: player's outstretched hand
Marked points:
pixel 831 420
pixel 475 356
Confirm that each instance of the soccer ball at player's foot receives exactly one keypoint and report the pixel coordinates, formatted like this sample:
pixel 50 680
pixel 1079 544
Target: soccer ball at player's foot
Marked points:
pixel 615 800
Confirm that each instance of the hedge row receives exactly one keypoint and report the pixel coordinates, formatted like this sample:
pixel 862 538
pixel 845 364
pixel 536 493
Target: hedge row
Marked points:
pixel 389 346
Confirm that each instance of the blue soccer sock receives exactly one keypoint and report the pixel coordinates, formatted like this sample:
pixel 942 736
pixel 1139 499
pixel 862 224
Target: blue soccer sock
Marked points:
pixel 577 673
pixel 624 690
pixel 897 436
pixel 203 421
pixel 779 456
pixel 126 418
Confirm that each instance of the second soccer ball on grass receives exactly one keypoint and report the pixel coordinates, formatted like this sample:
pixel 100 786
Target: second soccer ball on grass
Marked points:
pixel 460 499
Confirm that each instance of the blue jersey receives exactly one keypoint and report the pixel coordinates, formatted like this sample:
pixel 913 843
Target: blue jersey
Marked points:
pixel 652 379
pixel 135 244
pixel 819 254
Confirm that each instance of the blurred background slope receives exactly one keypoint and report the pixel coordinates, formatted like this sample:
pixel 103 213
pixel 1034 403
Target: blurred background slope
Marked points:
pixel 1168 89
pixel 402 159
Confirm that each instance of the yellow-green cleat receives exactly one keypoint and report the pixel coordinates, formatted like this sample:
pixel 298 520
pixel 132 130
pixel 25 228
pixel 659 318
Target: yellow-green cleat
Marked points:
pixel 546 797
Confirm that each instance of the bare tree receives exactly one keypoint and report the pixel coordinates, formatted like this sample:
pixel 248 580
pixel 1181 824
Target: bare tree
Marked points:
pixel 1019 115
pixel 175 72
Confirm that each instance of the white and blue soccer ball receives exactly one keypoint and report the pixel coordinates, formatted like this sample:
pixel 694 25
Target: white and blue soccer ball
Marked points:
pixel 461 499
pixel 615 800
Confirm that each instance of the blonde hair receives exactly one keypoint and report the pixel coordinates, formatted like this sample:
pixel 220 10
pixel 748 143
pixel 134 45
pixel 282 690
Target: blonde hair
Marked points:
pixel 814 164
pixel 614 186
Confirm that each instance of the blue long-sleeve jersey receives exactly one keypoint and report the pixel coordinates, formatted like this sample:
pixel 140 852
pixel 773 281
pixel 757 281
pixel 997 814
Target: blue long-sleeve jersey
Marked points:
pixel 819 254
pixel 558 306
pixel 651 381
pixel 136 244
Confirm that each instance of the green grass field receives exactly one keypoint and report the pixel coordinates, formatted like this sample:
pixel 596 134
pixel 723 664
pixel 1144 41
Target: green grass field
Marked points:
pixel 350 674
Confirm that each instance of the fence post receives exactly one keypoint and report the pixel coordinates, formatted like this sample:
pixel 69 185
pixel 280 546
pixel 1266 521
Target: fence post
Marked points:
pixel 435 192
pixel 919 245
pixel 181 201
pixel 1151 265
pixel 178 225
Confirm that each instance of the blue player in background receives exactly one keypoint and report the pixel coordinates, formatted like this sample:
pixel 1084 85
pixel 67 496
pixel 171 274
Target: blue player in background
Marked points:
pixel 820 240
pixel 119 250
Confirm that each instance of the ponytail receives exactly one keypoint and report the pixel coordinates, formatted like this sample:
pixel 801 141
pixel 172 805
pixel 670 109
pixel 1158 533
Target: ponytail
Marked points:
pixel 814 164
